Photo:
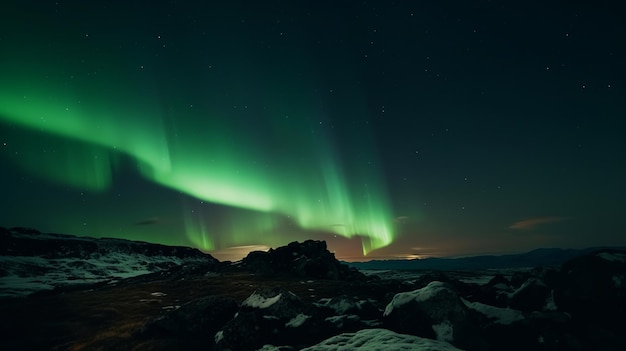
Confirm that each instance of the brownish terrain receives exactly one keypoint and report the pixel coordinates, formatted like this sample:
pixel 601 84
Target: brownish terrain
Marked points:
pixel 108 317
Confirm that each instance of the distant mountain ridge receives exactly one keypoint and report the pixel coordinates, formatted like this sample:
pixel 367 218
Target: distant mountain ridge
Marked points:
pixel 20 241
pixel 538 257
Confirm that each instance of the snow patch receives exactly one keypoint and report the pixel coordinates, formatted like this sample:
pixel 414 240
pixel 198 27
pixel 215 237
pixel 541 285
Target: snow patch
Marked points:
pixel 526 284
pixel 297 321
pixel 444 331
pixel 613 256
pixel 219 336
pixel 371 322
pixel 478 280
pixel 257 301
pixel 501 286
pixel 618 280
pixel 501 315
pixel 339 305
pixel 273 348
pixel 338 321
pixel 550 303
pixel 423 294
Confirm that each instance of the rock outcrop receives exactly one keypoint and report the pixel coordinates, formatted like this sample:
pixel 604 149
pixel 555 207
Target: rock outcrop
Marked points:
pixel 309 259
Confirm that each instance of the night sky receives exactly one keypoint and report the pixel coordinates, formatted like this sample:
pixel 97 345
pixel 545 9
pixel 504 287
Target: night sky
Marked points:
pixel 387 128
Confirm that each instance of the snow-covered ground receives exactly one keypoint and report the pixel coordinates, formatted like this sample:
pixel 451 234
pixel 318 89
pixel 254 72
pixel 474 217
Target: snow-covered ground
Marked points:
pixel 22 275
pixel 31 261
pixel 377 340
pixel 374 340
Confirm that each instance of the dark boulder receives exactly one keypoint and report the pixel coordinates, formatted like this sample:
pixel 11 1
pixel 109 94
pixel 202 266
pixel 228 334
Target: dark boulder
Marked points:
pixel 519 278
pixel 498 280
pixel 434 311
pixel 592 289
pixel 535 331
pixel 310 259
pixel 432 276
pixel 494 293
pixel 533 295
pixel 273 317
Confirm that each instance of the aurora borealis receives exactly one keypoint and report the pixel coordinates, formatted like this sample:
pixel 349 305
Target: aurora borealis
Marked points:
pixel 403 130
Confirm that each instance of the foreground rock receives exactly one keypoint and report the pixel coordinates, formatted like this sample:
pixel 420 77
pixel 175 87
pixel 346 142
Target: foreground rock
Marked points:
pixel 580 306
pixel 270 317
pixel 592 289
pixel 434 311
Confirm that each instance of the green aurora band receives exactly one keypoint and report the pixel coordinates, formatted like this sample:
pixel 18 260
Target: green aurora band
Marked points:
pixel 267 150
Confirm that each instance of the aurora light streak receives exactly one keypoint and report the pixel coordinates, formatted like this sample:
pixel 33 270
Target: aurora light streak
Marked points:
pixel 207 149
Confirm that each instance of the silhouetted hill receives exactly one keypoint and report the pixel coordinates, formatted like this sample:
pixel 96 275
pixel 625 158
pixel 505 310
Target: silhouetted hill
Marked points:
pixel 536 258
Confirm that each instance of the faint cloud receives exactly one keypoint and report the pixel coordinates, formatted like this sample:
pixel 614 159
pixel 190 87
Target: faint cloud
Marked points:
pixel 408 256
pixel 531 223
pixel 401 219
pixel 236 253
pixel 148 221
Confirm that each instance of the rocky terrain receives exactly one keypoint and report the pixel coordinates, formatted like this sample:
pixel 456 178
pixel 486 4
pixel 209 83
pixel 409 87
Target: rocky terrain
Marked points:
pixel 61 292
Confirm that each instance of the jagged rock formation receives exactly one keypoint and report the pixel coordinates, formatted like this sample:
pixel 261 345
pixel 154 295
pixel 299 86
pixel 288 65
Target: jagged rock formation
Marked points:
pixel 310 259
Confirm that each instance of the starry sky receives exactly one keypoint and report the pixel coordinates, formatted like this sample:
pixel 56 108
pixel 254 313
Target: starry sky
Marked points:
pixel 390 129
